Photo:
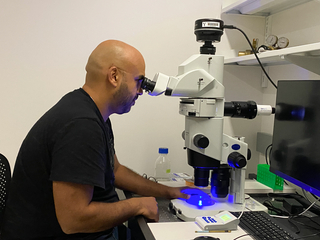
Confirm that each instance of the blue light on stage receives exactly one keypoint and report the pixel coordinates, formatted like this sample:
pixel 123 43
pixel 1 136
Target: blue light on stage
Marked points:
pixel 198 198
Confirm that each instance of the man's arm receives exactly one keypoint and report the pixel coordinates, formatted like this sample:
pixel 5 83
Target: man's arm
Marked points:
pixel 77 213
pixel 126 179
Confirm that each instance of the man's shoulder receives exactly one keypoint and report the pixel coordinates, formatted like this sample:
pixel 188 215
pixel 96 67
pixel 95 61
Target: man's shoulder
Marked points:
pixel 72 107
pixel 76 104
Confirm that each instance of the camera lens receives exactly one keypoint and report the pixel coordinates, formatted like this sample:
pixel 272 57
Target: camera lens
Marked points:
pixel 220 182
pixel 201 177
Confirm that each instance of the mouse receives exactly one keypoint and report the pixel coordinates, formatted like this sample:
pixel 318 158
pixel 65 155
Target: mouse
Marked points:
pixel 206 237
pixel 198 198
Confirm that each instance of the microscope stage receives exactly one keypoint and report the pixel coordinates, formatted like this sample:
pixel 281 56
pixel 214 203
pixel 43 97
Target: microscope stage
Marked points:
pixel 188 212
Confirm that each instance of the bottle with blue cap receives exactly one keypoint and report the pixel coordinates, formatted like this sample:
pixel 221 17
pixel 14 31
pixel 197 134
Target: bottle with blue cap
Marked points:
pixel 162 166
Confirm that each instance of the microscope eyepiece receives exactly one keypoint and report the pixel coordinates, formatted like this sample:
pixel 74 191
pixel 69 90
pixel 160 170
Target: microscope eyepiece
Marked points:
pixel 147 84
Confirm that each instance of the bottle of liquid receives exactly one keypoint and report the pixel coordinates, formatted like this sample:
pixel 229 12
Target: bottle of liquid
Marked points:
pixel 162 166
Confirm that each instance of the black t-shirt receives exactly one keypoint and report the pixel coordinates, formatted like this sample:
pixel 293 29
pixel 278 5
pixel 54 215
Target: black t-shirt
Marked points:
pixel 70 143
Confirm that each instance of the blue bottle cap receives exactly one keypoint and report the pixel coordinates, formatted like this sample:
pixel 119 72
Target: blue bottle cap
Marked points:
pixel 163 150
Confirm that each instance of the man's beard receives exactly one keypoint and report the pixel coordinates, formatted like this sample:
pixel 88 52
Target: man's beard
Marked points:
pixel 124 99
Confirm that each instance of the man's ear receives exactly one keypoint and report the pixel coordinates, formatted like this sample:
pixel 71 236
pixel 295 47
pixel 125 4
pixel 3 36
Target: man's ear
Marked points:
pixel 113 76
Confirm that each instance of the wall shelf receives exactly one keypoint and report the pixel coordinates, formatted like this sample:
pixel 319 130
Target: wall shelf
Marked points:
pixel 306 56
pixel 259 7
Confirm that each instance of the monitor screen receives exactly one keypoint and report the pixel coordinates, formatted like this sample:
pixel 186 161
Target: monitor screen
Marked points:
pixel 296 134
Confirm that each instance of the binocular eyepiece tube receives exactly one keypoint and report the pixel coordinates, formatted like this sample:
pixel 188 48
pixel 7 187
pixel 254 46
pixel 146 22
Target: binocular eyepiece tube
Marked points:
pixel 147 84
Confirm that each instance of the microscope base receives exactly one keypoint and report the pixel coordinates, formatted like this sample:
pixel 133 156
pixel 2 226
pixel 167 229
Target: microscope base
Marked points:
pixel 188 212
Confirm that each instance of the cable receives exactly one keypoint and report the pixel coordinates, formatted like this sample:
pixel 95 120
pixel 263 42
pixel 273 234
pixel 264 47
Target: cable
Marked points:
pixel 243 209
pixel 272 208
pixel 300 214
pixel 307 236
pixel 253 50
pixel 294 222
pixel 306 225
pixel 286 215
pixel 266 154
pixel 153 179
pixel 306 197
pixel 266 157
pixel 244 235
pixel 307 209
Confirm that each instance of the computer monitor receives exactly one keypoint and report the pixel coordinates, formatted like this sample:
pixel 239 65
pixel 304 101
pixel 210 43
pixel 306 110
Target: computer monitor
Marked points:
pixel 296 134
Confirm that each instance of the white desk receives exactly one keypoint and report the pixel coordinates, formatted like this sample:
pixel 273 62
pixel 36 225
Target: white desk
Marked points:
pixel 255 187
pixel 186 231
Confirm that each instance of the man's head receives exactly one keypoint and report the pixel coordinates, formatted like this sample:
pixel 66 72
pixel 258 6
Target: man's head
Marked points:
pixel 114 73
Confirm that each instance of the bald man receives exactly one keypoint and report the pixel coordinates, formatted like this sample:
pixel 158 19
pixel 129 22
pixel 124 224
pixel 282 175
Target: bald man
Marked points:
pixel 64 180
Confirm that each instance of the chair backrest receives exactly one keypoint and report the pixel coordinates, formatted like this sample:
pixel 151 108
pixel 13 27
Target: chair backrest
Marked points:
pixel 5 178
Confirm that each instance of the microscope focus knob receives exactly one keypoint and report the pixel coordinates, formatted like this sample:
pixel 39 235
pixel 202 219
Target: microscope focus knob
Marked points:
pixel 237 160
pixel 200 141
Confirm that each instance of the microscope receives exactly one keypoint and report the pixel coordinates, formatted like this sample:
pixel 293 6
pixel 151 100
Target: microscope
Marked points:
pixel 213 154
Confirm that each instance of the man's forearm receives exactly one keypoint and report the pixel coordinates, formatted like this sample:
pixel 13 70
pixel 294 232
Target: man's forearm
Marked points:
pixel 77 213
pixel 102 216
pixel 127 179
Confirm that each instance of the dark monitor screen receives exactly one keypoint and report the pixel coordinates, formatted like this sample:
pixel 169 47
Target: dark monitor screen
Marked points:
pixel 296 134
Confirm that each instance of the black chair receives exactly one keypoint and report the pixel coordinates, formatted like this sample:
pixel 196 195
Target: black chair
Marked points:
pixel 5 177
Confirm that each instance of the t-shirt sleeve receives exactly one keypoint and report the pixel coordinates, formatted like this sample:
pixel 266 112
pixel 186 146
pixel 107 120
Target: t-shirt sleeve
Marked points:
pixel 79 154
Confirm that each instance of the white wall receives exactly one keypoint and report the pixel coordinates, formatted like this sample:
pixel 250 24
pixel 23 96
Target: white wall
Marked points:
pixel 44 48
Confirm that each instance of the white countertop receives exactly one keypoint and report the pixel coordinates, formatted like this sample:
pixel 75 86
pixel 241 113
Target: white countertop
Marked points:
pixel 187 231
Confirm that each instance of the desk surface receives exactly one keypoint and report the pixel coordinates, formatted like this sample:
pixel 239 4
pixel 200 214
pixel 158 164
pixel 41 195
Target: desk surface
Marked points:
pixel 186 231
pixel 176 229
pixel 179 230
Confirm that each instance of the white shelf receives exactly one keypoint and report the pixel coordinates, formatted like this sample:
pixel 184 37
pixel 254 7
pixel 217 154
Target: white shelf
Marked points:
pixel 259 7
pixel 306 56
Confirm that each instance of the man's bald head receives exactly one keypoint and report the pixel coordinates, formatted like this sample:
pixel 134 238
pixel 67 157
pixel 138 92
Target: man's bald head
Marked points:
pixel 113 72
pixel 112 53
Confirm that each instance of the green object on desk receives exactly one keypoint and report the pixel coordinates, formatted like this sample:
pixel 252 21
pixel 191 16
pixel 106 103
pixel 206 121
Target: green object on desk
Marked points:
pixel 268 178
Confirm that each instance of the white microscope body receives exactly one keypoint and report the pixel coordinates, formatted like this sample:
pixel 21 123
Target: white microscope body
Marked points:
pixel 199 84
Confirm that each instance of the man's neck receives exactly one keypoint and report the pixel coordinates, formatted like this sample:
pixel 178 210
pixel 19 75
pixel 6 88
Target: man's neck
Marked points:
pixel 100 103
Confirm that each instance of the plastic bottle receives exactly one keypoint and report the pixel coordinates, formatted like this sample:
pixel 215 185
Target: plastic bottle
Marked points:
pixel 162 166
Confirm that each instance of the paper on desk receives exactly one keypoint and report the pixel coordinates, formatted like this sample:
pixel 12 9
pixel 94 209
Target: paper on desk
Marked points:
pixel 186 231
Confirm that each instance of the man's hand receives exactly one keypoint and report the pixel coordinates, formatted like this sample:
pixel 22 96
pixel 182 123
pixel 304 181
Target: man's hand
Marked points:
pixel 176 192
pixel 149 208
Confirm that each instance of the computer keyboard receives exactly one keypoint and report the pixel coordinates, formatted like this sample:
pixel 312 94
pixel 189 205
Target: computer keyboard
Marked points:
pixel 263 227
